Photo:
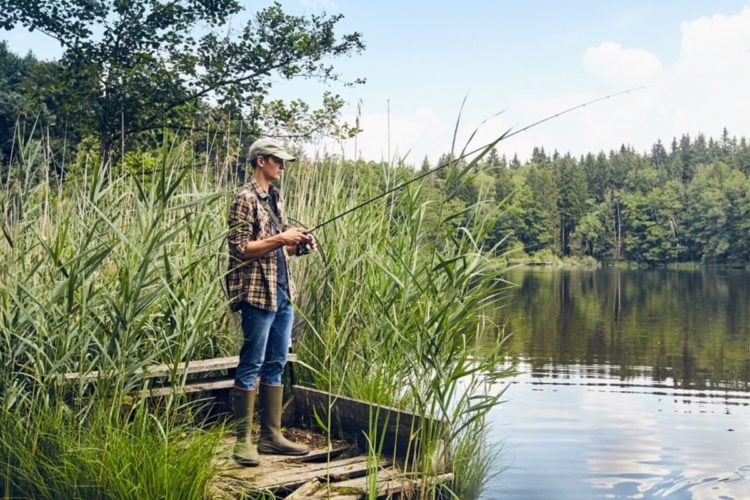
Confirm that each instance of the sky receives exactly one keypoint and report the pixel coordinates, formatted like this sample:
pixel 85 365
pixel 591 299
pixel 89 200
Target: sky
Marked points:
pixel 512 63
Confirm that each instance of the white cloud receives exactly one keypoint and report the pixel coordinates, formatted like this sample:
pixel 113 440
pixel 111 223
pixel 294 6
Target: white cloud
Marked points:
pixel 621 66
pixel 703 91
pixel 709 83
pixel 720 39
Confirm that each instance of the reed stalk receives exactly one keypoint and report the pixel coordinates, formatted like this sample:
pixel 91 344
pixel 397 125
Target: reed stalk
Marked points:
pixel 113 271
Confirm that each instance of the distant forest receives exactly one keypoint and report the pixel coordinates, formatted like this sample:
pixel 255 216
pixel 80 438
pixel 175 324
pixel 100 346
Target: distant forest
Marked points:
pixel 687 201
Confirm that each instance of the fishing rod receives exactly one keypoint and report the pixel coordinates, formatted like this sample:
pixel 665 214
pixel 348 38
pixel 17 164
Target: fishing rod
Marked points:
pixel 505 135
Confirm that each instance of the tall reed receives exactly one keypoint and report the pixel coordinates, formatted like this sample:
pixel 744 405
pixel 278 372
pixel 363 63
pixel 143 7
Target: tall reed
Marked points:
pixel 55 454
pixel 115 272
pixel 109 273
pixel 407 307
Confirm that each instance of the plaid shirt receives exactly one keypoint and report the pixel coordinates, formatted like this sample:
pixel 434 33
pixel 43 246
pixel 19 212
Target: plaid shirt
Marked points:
pixel 253 281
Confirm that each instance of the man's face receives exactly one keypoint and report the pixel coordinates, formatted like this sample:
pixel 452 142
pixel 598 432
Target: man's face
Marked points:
pixel 272 166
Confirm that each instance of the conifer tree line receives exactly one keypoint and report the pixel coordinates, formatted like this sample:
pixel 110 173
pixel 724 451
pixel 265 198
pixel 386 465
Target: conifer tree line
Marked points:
pixel 685 202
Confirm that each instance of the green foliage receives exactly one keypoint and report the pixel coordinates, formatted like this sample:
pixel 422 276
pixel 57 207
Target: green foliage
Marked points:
pixel 138 65
pixel 719 201
pixel 572 198
pixel 53 453
pixel 113 276
pixel 651 224
pixel 594 234
pixel 684 205
pixel 407 293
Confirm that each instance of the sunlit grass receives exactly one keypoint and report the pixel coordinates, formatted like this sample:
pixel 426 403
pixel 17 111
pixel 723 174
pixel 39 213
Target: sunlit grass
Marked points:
pixel 56 454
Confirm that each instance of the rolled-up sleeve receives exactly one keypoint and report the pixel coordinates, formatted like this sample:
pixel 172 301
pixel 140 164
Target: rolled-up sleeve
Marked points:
pixel 240 222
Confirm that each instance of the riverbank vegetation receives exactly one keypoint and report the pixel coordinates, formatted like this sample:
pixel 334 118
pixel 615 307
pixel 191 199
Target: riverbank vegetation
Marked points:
pixel 113 271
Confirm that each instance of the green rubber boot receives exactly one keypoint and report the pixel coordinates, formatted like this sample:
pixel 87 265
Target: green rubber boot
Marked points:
pixel 243 403
pixel 272 441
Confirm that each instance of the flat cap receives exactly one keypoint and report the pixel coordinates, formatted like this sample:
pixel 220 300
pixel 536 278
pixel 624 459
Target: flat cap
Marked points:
pixel 268 146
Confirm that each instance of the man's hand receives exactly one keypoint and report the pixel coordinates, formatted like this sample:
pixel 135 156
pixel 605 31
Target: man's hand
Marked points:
pixel 295 236
pixel 289 239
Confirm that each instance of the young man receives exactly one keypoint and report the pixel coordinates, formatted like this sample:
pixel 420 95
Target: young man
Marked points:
pixel 260 288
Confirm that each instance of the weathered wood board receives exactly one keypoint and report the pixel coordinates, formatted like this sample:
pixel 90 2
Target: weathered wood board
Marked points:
pixel 339 475
pixel 350 419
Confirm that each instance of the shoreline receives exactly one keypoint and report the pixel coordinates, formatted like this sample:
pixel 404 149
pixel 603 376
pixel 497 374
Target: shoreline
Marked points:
pixel 588 262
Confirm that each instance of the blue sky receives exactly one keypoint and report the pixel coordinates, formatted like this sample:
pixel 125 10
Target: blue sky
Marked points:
pixel 531 59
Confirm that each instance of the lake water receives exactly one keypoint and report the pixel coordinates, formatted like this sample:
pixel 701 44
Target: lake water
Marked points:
pixel 631 384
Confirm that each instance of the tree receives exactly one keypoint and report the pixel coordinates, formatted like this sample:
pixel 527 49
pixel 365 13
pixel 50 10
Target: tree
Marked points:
pixel 425 165
pixel 135 65
pixel 539 201
pixel 573 196
pixel 593 234
pixel 658 155
pixel 650 220
pixel 598 174
pixel 718 211
pixel 494 161
pixel 23 108
pixel 12 71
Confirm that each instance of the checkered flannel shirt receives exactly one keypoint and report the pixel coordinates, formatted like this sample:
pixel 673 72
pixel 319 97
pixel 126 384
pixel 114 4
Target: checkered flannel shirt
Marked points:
pixel 253 281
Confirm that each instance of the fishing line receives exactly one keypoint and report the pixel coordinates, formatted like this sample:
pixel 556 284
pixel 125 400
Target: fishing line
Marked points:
pixel 484 149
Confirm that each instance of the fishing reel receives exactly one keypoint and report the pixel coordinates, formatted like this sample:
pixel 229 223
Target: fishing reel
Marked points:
pixel 304 249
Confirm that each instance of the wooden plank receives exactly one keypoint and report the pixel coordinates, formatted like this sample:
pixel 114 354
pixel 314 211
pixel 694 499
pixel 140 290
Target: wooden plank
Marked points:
pixel 360 485
pixel 269 464
pixel 352 419
pixel 164 370
pixel 343 479
pixel 305 491
pixel 338 470
pixel 276 465
pixel 282 478
pixel 322 455
pixel 390 482
pixel 198 386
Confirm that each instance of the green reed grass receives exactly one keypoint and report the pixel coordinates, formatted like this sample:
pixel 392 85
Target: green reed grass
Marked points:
pixel 114 272
pixel 54 454
pixel 109 273
pixel 406 321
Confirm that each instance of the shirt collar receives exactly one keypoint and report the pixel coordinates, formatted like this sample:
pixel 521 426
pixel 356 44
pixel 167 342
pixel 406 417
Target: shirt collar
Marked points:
pixel 262 193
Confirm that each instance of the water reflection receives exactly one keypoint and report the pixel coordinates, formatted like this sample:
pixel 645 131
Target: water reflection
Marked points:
pixel 582 434
pixel 690 328
pixel 632 384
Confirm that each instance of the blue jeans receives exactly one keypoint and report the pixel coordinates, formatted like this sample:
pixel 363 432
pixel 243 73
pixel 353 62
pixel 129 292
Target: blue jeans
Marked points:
pixel 267 337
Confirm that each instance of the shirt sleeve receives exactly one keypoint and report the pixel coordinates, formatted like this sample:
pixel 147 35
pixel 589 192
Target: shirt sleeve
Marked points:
pixel 240 224
pixel 282 213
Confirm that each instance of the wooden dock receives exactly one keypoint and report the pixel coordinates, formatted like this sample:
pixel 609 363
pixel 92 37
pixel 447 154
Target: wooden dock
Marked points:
pixel 338 469
pixel 342 469
pixel 343 473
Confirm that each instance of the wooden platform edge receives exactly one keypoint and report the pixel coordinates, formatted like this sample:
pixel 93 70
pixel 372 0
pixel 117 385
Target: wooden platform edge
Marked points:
pixel 165 370
pixel 352 419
